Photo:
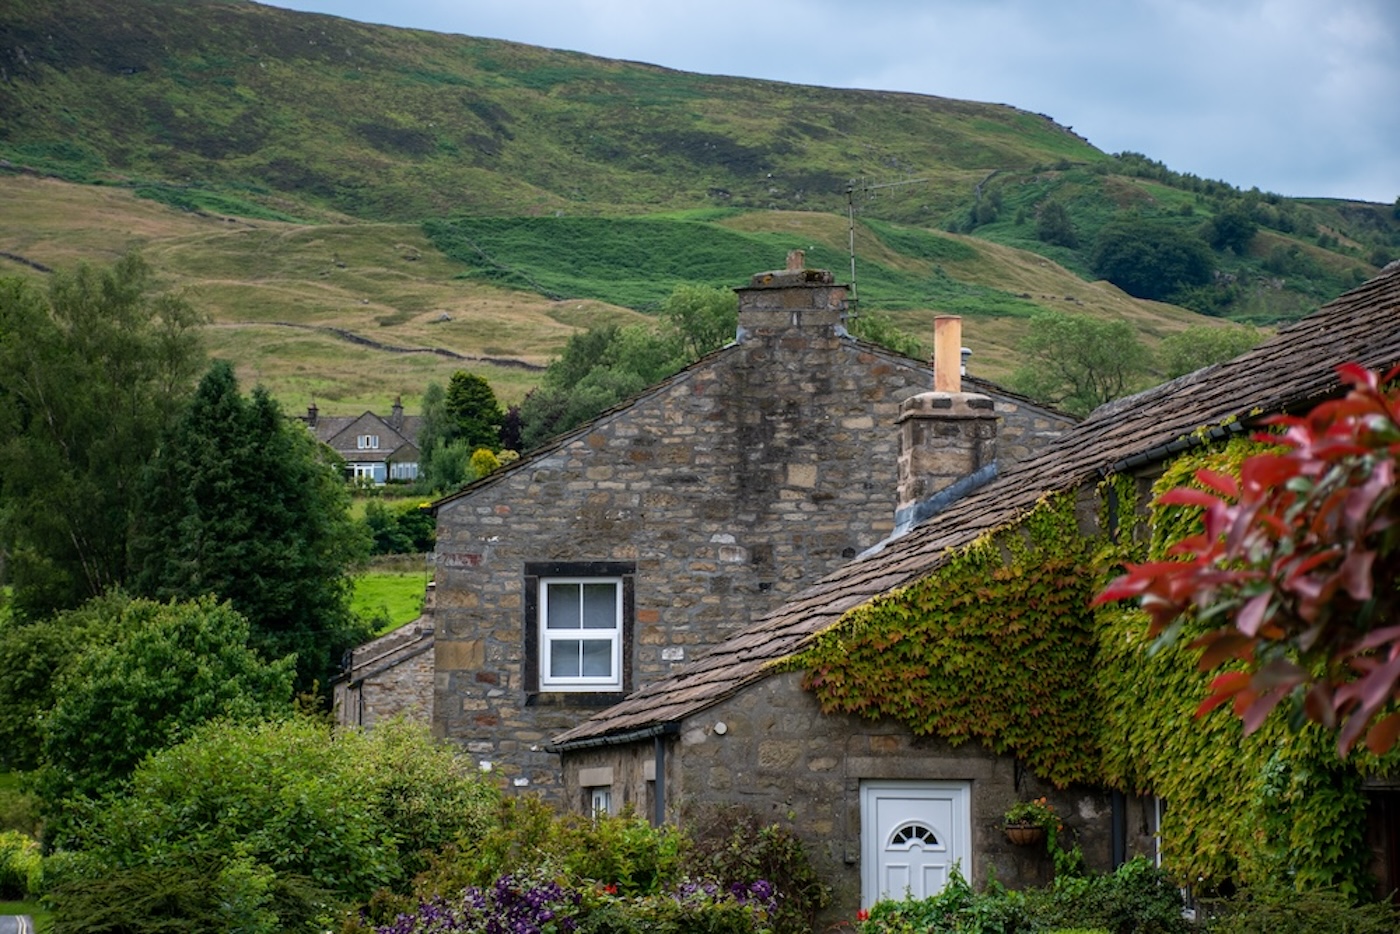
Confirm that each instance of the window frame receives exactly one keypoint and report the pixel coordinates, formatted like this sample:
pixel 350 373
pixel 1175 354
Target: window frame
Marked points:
pixel 611 634
pixel 580 690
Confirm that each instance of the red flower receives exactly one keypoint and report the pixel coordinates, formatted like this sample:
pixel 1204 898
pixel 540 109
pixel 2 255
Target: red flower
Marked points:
pixel 610 889
pixel 862 915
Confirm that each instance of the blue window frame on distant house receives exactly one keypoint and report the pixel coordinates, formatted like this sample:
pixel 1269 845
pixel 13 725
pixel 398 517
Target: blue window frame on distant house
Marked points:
pixel 374 473
pixel 367 442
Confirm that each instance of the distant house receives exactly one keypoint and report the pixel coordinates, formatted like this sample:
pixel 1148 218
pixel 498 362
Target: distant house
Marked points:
pixel 630 546
pixel 376 449
pixel 885 809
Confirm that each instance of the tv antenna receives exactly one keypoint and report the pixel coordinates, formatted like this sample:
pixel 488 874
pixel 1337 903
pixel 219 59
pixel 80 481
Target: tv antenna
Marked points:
pixel 867 187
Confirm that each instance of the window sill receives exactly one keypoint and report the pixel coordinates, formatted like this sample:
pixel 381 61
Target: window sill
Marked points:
pixel 573 698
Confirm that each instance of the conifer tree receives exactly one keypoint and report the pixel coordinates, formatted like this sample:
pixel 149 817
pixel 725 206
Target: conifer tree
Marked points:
pixel 242 503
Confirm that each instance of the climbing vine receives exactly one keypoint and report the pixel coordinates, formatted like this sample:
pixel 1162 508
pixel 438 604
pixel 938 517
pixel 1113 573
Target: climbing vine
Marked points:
pixel 995 646
pixel 998 646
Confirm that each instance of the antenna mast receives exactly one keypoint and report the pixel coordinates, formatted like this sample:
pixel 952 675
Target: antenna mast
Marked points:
pixel 851 190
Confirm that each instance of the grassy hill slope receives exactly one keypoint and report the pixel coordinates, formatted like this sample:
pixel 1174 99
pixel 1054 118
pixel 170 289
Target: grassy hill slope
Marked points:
pixel 394 124
pixel 361 209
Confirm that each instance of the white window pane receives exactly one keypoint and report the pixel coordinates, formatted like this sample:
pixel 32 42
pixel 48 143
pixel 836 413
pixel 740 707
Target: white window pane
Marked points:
pixel 562 601
pixel 564 658
pixel 597 658
pixel 600 606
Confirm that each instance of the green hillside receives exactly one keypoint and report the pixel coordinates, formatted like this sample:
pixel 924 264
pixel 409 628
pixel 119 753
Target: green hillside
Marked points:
pixel 362 209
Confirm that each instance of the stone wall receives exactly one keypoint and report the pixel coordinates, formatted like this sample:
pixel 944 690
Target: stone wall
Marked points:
pixel 724 491
pixel 389 677
pixel 777 754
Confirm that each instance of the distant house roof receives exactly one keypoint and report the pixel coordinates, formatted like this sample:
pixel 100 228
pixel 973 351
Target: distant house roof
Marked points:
pixel 397 435
pixel 1289 372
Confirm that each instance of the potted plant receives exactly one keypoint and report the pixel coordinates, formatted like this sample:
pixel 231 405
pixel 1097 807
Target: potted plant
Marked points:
pixel 1027 822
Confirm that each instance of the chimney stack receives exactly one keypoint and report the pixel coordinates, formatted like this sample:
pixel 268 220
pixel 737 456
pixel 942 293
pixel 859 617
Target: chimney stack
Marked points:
pixel 947 438
pixel 947 353
pixel 311 413
pixel 396 414
pixel 794 302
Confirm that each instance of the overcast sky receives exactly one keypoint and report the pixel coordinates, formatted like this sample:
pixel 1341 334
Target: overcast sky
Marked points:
pixel 1298 97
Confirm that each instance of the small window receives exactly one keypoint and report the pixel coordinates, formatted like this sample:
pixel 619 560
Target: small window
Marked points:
pixel 599 801
pixel 580 634
pixel 367 442
pixel 579 620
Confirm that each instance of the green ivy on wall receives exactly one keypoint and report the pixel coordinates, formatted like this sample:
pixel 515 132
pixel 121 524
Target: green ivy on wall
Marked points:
pixel 998 646
pixel 1272 805
pixel 995 646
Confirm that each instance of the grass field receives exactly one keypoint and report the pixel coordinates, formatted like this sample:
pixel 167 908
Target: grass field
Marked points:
pixel 394 594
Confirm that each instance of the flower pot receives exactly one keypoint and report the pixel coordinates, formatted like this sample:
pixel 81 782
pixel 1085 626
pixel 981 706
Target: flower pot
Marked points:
pixel 1024 834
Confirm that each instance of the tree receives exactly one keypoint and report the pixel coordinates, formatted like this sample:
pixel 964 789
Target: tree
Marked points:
pixel 1294 572
pixel 34 656
pixel 705 318
pixel 476 416
pixel 1150 259
pixel 1078 361
pixel 91 373
pixel 1199 345
pixel 598 369
pixel 1053 225
pixel 241 502
pixel 1231 229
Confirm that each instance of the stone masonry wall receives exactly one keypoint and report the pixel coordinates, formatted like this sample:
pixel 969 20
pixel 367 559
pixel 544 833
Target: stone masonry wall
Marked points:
pixel 780 756
pixel 730 488
pixel 392 676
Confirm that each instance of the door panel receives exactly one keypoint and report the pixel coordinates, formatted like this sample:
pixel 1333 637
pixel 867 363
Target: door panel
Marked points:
pixel 912 835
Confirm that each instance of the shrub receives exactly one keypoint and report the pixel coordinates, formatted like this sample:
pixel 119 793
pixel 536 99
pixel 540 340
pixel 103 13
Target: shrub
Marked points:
pixel 1136 899
pixel 162 670
pixel 402 529
pixel 20 865
pixel 1283 910
pixel 525 835
pixel 238 896
pixel 533 902
pixel 278 807
pixel 733 845
pixel 739 875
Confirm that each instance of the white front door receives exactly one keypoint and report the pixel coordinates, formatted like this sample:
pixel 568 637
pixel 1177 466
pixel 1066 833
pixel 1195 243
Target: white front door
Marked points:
pixel 912 834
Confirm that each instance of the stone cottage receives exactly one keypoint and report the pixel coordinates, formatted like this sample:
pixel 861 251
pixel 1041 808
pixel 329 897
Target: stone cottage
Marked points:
pixel 376 449
pixel 630 546
pixel 882 809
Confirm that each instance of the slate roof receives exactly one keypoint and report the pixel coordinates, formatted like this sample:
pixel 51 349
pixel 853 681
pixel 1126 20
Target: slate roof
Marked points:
pixel 1289 372
pixel 336 431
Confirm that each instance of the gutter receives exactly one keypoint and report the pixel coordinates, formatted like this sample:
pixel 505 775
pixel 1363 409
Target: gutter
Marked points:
pixel 615 739
pixel 1162 451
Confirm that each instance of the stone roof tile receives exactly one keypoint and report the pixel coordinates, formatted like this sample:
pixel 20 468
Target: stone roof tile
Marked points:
pixel 1288 372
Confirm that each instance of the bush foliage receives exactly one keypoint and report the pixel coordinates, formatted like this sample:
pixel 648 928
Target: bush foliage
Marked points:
pixel 297 821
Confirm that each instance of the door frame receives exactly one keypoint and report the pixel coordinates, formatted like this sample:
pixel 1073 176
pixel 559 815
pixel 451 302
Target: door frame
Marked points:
pixel 872 845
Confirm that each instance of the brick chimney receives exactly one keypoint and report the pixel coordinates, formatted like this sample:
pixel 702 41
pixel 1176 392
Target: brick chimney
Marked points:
pixel 311 414
pixel 396 414
pixel 795 299
pixel 947 438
